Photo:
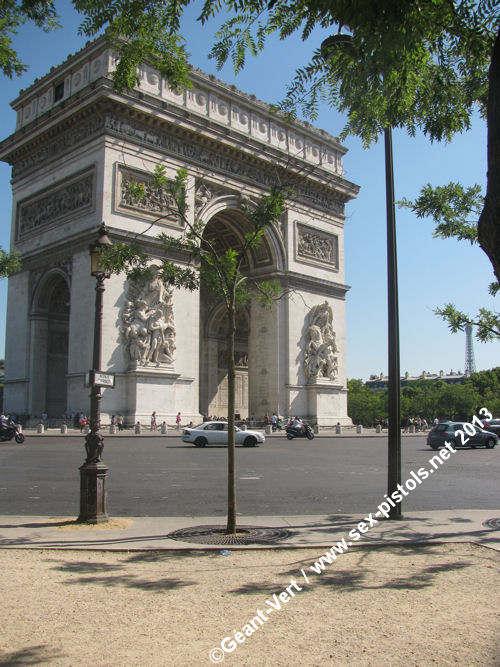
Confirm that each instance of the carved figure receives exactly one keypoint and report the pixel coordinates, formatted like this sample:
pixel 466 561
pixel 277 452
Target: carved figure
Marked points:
pixel 316 246
pixel 148 330
pixel 319 354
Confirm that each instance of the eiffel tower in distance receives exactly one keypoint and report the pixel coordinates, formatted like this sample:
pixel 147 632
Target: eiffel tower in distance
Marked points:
pixel 470 362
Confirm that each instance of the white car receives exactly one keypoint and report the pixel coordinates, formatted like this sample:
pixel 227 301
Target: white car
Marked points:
pixel 215 433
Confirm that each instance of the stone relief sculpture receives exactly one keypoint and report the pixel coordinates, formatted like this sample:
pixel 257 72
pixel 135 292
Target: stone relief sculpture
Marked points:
pixel 63 201
pixel 155 200
pixel 319 247
pixel 319 354
pixel 148 330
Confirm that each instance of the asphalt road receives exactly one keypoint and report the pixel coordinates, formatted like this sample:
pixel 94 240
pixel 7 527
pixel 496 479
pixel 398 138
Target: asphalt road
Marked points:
pixel 159 476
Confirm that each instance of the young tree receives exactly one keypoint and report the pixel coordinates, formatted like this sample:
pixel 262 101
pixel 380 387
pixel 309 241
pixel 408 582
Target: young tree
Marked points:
pixel 220 273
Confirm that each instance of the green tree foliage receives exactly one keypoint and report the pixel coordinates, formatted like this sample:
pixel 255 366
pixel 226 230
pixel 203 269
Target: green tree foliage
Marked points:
pixel 428 399
pixel 365 406
pixel 199 262
pixel 9 263
pixel 451 207
pixel 14 14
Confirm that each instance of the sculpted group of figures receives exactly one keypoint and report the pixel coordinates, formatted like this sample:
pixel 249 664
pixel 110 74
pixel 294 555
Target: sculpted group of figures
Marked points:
pixel 148 329
pixel 319 354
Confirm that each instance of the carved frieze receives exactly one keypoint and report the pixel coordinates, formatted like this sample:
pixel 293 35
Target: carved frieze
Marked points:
pixel 128 129
pixel 154 201
pixel 63 142
pixel 316 246
pixel 70 198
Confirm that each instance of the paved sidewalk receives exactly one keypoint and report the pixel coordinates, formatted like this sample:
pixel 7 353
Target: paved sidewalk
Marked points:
pixel 325 432
pixel 152 533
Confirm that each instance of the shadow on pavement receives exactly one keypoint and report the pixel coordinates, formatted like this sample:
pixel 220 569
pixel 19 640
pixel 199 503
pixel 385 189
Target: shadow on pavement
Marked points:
pixel 31 655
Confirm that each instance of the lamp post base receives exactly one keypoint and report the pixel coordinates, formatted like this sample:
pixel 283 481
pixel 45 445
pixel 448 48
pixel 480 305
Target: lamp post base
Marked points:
pixel 93 493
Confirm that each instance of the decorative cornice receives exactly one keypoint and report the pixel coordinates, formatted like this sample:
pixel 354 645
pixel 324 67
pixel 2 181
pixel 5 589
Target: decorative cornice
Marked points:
pixel 116 120
pixel 225 113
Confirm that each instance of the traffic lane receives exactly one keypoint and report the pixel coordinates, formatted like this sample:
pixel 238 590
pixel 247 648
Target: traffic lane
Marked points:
pixel 165 477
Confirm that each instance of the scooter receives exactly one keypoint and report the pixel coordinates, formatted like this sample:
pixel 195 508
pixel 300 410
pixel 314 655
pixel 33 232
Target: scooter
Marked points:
pixel 306 432
pixel 12 430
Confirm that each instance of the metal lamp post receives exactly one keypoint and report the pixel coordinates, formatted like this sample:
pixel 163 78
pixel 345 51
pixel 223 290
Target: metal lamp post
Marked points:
pixel 93 472
pixel 394 408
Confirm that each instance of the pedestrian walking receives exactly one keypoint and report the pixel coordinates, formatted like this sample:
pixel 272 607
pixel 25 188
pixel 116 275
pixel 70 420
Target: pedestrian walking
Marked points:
pixel 153 421
pixel 178 421
pixel 83 421
pixel 119 421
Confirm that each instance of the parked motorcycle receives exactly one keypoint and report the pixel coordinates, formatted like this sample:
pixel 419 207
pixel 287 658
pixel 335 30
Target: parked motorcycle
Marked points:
pixel 305 432
pixel 12 430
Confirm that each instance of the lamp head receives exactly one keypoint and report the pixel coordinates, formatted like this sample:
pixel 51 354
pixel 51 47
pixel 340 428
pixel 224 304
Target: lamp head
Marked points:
pixel 96 268
pixel 340 40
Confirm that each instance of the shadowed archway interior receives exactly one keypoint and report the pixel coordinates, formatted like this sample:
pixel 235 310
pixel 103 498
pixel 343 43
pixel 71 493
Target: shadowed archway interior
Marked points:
pixel 226 230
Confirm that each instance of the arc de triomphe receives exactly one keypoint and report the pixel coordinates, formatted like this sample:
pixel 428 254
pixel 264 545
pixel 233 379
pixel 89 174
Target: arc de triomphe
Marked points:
pixel 76 146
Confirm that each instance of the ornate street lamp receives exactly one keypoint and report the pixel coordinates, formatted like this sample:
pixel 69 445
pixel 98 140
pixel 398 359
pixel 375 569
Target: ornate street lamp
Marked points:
pixel 394 407
pixel 93 472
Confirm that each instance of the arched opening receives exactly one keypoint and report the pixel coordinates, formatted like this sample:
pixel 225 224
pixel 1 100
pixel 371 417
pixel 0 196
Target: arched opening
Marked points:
pixel 225 230
pixel 50 337
pixel 213 360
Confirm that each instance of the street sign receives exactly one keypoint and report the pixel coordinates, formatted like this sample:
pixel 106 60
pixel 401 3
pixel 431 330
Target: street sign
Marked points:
pixel 98 379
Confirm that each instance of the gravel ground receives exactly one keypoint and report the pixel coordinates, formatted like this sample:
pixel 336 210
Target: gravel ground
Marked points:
pixel 412 605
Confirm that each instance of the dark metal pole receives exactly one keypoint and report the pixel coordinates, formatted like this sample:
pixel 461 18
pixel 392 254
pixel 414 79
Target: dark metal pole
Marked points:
pixel 93 472
pixel 394 411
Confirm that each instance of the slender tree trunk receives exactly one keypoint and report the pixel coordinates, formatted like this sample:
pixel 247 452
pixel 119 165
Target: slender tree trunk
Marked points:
pixel 489 220
pixel 231 467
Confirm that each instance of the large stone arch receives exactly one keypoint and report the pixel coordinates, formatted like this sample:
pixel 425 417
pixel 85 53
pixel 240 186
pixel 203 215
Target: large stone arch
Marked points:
pixel 49 319
pixel 72 162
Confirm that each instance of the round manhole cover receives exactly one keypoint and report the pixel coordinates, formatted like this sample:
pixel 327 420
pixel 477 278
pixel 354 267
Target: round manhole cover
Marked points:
pixel 217 535
pixel 494 524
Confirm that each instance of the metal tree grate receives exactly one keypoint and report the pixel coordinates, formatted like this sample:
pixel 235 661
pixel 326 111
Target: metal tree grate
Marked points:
pixel 494 524
pixel 217 535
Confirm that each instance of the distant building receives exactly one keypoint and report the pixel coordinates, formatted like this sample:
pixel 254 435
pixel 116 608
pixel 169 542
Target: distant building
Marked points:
pixel 380 382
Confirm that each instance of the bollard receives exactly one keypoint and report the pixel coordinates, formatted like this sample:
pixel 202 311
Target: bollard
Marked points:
pixel 164 428
pixel 243 427
pixel 359 428
pixel 316 429
pixel 269 429
pixel 138 428
pixel 412 429
pixel 40 428
pixel 338 429
pixel 112 429
pixel 86 429
pixel 378 429
pixel 64 429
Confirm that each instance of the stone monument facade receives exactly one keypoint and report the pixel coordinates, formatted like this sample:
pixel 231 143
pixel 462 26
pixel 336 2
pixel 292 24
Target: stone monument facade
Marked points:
pixel 77 147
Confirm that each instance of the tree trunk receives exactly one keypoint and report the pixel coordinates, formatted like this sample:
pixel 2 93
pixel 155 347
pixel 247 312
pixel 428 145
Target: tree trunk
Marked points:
pixel 489 220
pixel 231 467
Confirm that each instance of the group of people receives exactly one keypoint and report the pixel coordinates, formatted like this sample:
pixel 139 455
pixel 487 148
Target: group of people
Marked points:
pixel 418 424
pixel 154 421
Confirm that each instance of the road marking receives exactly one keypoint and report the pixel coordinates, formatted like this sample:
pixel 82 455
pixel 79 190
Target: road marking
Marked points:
pixel 249 477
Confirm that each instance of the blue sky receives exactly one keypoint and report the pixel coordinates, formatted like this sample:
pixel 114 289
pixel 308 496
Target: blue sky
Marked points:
pixel 431 272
